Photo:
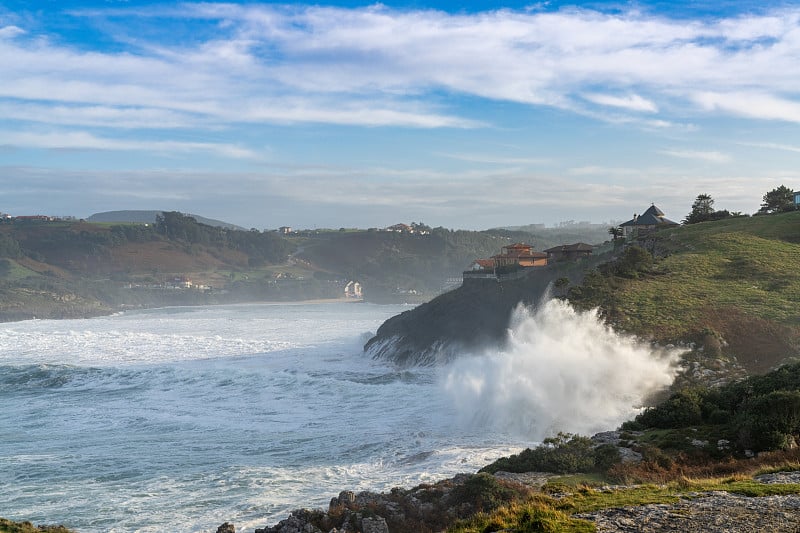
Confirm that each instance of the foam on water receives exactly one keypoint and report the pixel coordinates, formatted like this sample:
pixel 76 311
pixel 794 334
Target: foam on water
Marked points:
pixel 181 419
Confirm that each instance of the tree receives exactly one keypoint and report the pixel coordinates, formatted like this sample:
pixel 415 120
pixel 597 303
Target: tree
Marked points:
pixel 616 235
pixel 561 284
pixel 702 210
pixel 778 200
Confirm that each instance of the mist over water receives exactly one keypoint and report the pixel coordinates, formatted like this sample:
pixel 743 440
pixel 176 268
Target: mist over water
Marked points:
pixel 562 370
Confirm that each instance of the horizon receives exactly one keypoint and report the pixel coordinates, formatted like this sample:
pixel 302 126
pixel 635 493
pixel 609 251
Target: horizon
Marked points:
pixel 358 114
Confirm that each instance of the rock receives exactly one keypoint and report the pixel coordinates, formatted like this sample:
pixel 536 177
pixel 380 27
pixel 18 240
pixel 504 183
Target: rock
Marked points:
pixel 470 317
pixel 627 455
pixel 226 528
pixel 374 524
pixel 300 521
pixel 531 479
pixel 710 512
pixel 779 477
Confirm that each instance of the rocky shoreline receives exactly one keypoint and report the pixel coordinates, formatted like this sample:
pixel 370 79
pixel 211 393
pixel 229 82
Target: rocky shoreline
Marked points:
pixel 696 512
pixel 433 508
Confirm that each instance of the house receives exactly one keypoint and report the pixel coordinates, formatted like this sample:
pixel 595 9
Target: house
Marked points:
pixel 519 254
pixel 651 220
pixel 34 218
pixel 181 282
pixel 401 228
pixel 797 199
pixel 353 290
pixel 481 265
pixel 285 230
pixel 569 252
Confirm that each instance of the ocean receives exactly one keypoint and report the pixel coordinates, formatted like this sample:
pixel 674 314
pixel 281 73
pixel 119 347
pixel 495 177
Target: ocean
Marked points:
pixel 180 419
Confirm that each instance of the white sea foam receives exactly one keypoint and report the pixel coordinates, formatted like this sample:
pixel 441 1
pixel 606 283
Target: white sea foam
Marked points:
pixel 562 370
pixel 181 419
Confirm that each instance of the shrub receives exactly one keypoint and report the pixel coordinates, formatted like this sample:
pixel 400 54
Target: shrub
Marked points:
pixel 562 454
pixel 483 493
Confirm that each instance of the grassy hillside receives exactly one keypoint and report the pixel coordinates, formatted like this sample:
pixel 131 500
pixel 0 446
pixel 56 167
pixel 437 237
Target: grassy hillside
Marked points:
pixel 732 285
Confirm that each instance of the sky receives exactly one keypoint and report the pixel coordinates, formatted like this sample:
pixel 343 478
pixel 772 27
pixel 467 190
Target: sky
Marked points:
pixel 358 114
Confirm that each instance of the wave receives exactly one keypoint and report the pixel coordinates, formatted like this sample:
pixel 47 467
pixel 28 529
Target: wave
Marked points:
pixel 561 370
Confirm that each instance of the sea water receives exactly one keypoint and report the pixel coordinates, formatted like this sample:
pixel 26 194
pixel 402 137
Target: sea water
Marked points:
pixel 179 419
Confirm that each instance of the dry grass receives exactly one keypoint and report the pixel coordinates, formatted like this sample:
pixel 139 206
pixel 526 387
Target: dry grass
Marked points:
pixel 682 468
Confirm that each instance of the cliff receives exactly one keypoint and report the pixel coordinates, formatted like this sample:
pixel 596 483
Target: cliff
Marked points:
pixel 473 316
pixel 731 288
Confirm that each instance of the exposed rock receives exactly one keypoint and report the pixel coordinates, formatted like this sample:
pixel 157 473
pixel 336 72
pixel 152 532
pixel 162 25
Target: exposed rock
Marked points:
pixel 426 507
pixel 711 512
pixel 531 479
pixel 374 525
pixel 474 315
pixel 614 438
pixel 300 521
pixel 226 528
pixel 779 477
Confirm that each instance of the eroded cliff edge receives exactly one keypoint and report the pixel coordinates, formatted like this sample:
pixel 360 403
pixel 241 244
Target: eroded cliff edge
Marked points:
pixel 469 318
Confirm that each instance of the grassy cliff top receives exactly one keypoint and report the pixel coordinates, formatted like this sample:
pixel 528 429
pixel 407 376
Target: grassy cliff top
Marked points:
pixel 736 280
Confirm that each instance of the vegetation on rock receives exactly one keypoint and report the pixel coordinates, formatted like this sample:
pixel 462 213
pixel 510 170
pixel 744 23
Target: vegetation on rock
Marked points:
pixel 7 526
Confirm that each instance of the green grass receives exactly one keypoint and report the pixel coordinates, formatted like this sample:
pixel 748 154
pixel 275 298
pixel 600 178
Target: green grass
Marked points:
pixel 17 272
pixel 548 514
pixel 738 278
pixel 757 276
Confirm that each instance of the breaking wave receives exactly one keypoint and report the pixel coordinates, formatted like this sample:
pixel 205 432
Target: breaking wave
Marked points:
pixel 561 370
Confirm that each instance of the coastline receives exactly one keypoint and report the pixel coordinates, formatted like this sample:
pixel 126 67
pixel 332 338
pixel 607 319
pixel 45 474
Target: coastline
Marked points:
pixel 73 313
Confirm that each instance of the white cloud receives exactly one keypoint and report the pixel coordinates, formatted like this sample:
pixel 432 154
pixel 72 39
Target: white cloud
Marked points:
pixel 632 102
pixel 376 66
pixel 9 32
pixel 749 104
pixel 774 146
pixel 80 140
pixel 496 160
pixel 364 197
pixel 708 156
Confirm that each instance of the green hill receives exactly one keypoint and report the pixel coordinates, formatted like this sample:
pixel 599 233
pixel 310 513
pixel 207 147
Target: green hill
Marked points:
pixel 149 217
pixel 732 286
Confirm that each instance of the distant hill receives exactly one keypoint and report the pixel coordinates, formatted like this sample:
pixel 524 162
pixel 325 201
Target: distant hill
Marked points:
pixel 149 217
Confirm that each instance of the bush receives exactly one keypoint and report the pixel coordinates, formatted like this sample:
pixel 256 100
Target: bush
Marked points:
pixel 562 454
pixel 680 410
pixel 483 492
pixel 769 422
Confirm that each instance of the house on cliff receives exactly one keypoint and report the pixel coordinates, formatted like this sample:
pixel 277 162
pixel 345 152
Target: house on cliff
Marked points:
pixel 514 260
pixel 569 252
pixel 481 264
pixel 652 219
pixel 519 254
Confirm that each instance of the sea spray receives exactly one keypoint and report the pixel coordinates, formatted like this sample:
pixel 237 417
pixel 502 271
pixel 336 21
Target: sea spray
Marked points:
pixel 561 370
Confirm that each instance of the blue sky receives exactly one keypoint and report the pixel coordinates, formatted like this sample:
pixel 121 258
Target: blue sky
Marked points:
pixel 359 114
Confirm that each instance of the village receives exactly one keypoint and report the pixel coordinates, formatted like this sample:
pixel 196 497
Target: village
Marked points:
pixel 519 259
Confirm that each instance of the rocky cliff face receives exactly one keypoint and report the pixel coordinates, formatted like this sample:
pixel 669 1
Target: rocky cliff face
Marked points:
pixel 473 316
